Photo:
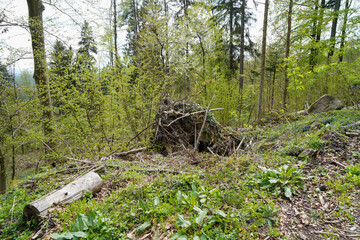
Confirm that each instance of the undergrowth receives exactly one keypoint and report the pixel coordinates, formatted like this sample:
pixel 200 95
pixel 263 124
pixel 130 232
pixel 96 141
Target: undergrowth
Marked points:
pixel 226 198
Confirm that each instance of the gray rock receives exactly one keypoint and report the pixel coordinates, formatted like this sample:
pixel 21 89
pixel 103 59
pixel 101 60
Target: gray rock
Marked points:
pixel 326 103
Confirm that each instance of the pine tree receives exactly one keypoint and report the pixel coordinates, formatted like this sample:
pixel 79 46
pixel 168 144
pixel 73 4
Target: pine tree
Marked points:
pixel 87 47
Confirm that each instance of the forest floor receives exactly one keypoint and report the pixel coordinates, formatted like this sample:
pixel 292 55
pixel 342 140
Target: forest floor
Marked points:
pixel 298 180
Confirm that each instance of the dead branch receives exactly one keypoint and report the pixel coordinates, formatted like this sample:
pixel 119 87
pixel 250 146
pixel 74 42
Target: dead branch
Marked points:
pixel 122 154
pixel 80 161
pixel 68 170
pixel 193 113
pixel 202 127
pixel 156 170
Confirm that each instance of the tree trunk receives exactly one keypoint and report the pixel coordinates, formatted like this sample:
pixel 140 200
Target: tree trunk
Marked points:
pixel 242 51
pixel 12 149
pixel 313 49
pixel 115 35
pixel 263 53
pixel 287 54
pixel 343 31
pixel 40 76
pixel 317 29
pixel 273 90
pixel 2 172
pixel 73 191
pixel 333 29
pixel 231 47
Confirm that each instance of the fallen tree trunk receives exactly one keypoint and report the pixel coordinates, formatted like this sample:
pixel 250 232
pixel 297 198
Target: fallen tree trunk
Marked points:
pixel 71 192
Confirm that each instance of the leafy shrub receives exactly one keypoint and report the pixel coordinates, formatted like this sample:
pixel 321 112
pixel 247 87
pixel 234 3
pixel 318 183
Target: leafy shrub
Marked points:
pixel 85 226
pixel 285 179
pixel 353 169
pixel 269 215
pixel 315 142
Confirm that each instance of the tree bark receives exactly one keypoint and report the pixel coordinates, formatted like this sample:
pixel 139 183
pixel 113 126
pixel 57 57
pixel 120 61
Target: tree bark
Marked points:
pixel 333 29
pixel 73 191
pixel 343 31
pixel 316 35
pixel 263 53
pixel 242 51
pixel 231 49
pixel 2 172
pixel 115 35
pixel 287 54
pixel 36 8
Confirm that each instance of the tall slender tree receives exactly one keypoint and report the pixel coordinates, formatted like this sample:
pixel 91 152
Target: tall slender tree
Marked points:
pixel 287 53
pixel 115 16
pixel 241 57
pixel 343 30
pixel 228 14
pixel 85 59
pixel 263 55
pixel 36 8
pixel 333 28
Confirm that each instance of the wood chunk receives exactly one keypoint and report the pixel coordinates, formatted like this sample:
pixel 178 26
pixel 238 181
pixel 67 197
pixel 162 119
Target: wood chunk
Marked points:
pixel 73 191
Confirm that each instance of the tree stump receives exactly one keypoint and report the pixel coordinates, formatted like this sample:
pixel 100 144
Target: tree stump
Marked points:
pixel 71 192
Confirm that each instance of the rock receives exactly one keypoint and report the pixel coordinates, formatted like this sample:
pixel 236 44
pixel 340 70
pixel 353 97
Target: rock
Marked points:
pixel 310 153
pixel 326 103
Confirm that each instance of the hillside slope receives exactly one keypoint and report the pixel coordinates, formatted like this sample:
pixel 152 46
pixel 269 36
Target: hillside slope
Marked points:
pixel 299 180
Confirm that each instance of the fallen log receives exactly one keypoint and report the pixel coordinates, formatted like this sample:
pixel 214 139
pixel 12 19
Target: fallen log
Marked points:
pixel 73 191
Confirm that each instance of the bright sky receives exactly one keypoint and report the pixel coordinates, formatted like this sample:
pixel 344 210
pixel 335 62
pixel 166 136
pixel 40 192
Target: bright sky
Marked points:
pixel 63 20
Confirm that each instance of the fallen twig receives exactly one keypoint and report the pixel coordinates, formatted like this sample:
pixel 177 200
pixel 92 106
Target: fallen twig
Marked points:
pixel 238 147
pixel 78 160
pixel 338 163
pixel 193 113
pixel 122 154
pixel 203 125
pixel 74 169
pixel 146 170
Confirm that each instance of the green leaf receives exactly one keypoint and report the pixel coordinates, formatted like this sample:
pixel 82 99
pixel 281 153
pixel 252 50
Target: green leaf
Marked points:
pixel 197 209
pixel 143 226
pixel 156 201
pixel 178 197
pixel 273 180
pixel 288 192
pixel 192 200
pixel 203 237
pixel 69 235
pixel 196 238
pixel 182 222
pixel 91 219
pixel 220 213
pixel 80 234
pixel 200 218
pixel 142 205
pixel 178 236
pixel 81 224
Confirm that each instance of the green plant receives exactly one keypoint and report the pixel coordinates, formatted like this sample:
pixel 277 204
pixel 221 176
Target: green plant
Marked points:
pixel 353 169
pixel 269 215
pixel 315 142
pixel 199 223
pixel 285 179
pixel 84 225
